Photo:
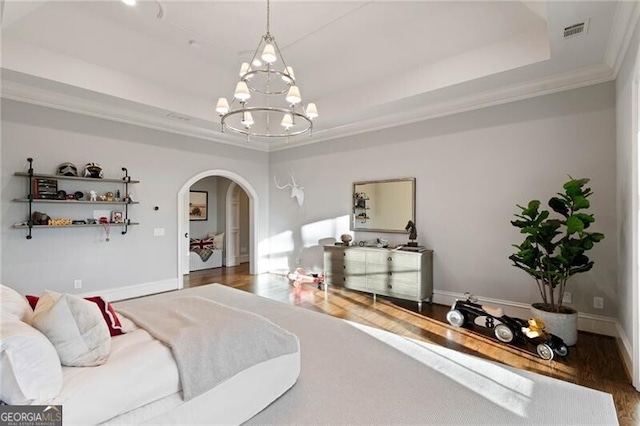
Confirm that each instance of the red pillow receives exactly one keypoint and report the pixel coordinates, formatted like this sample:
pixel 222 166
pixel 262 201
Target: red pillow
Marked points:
pixel 109 315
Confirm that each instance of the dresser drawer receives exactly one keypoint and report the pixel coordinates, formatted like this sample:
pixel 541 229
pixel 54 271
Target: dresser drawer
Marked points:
pixel 346 268
pixel 393 288
pixel 399 272
pixel 356 282
pixel 395 259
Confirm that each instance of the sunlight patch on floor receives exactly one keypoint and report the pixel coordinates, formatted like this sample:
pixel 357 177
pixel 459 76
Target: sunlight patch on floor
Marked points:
pixel 491 381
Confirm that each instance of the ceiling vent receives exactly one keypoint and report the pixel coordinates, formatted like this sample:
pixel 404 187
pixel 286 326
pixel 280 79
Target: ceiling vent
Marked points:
pixel 178 117
pixel 576 30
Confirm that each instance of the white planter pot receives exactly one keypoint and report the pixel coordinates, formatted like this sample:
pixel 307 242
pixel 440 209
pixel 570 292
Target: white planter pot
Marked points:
pixel 562 325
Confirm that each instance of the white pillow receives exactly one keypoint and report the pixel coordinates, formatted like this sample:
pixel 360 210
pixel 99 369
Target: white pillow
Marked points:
pixel 16 304
pixel 218 241
pixel 30 371
pixel 75 327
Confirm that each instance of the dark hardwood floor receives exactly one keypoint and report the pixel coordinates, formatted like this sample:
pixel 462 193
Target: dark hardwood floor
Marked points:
pixel 593 362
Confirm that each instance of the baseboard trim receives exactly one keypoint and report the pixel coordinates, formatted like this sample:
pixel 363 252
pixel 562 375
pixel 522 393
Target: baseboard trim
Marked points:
pixel 137 290
pixel 598 324
pixel 626 350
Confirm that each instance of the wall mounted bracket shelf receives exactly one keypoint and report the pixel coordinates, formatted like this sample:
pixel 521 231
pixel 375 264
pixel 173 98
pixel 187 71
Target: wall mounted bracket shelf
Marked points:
pixel 31 199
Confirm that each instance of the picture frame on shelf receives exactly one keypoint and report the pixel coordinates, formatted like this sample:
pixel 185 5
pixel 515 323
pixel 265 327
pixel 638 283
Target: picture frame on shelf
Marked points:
pixel 117 217
pixel 198 205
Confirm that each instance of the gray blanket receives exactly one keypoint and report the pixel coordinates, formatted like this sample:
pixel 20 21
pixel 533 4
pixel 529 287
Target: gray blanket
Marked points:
pixel 210 342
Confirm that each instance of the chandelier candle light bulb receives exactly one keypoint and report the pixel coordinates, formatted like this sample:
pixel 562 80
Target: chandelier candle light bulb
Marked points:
pixel 247 120
pixel 312 111
pixel 287 121
pixel 269 54
pixel 242 91
pixel 223 106
pixel 293 95
pixel 245 68
pixel 277 99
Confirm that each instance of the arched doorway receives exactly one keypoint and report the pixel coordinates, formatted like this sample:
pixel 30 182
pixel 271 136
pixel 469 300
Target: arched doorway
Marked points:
pixel 183 219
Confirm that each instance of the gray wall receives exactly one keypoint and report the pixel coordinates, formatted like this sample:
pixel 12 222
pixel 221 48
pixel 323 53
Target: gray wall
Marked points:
pixel 626 186
pixel 470 169
pixel 163 162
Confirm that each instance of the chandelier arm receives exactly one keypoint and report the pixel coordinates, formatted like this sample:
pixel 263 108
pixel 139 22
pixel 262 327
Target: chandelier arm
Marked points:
pixel 259 71
pixel 268 17
pixel 253 58
pixel 284 63
pixel 244 131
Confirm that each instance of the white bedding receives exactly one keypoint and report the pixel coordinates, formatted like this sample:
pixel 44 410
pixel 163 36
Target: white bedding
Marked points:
pixel 356 376
pixel 140 383
pixel 137 362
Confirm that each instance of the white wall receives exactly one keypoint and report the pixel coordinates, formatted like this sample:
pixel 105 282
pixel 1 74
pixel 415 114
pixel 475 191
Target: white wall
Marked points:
pixel 163 162
pixel 471 169
pixel 625 189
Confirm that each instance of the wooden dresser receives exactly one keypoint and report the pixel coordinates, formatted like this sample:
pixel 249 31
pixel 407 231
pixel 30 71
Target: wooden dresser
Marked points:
pixel 400 274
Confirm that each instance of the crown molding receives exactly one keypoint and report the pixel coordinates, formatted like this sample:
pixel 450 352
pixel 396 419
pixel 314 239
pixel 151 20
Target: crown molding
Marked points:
pixel 557 83
pixel 57 100
pixel 624 23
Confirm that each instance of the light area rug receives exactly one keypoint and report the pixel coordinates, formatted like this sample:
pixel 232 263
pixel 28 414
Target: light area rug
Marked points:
pixel 354 374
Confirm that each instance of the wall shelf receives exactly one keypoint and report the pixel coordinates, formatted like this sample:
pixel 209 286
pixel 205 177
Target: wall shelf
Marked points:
pixel 44 200
pixel 82 225
pixel 126 179
pixel 31 199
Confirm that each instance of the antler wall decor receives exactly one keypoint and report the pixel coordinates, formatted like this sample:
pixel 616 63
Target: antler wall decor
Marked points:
pixel 296 191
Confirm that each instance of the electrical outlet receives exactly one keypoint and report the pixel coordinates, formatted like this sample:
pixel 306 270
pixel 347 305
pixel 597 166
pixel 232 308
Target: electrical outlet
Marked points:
pixel 598 302
pixel 77 284
pixel 566 298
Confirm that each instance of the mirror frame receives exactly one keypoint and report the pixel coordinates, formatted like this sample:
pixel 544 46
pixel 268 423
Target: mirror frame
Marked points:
pixel 353 226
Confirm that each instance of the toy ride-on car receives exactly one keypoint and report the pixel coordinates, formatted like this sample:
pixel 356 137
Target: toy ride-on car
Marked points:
pixel 506 329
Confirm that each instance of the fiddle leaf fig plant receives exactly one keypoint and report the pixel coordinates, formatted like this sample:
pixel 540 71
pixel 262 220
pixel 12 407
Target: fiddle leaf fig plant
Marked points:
pixel 554 249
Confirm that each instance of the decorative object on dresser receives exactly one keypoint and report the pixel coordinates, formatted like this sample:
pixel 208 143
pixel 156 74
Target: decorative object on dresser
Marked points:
pixel 403 275
pixel 346 239
pixel 36 188
pixel 413 233
pixel 383 205
pixel 554 250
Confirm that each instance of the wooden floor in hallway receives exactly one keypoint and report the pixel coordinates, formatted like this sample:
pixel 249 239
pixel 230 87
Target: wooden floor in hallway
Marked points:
pixel 593 362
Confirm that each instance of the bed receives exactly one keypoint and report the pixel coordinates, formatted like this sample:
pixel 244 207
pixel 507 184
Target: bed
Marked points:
pixel 349 374
pixel 206 252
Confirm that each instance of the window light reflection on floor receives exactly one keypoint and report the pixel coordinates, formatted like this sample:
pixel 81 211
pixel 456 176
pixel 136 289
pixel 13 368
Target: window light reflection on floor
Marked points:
pixel 491 381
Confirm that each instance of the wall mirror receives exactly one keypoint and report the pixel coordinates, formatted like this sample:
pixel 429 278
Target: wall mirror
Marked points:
pixel 383 205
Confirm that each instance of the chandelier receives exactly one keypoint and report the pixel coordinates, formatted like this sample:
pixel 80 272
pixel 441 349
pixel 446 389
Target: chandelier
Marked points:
pixel 276 109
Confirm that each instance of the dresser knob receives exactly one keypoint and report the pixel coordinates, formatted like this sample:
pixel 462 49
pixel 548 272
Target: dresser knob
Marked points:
pixel 389 286
pixel 389 258
pixel 390 273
